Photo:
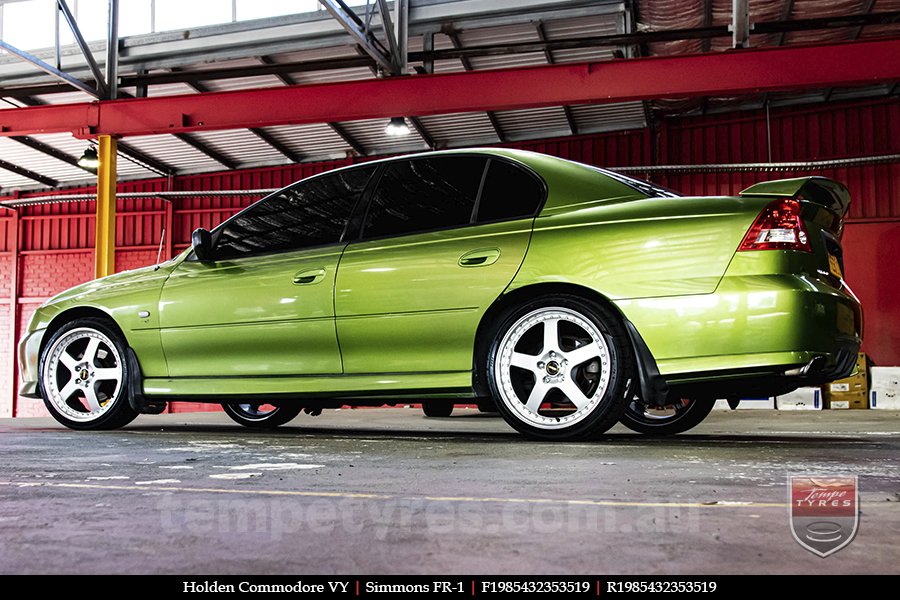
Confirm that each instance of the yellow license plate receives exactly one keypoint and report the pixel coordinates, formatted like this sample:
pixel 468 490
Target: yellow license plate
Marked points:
pixel 834 266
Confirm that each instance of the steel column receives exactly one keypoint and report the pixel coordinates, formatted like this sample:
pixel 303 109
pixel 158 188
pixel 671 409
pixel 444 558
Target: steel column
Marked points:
pixel 112 51
pixel 105 239
pixel 740 23
pixel 14 313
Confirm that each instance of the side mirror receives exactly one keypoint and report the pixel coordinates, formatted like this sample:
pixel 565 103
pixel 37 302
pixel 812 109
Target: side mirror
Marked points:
pixel 201 241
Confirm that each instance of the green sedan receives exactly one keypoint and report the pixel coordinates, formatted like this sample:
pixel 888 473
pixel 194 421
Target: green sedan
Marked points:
pixel 564 296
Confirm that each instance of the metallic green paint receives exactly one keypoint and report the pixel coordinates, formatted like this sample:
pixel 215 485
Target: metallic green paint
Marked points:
pixel 398 315
pixel 407 305
pixel 250 317
pixel 121 296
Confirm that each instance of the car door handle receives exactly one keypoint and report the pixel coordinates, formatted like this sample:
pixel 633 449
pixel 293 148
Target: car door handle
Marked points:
pixel 309 277
pixel 479 258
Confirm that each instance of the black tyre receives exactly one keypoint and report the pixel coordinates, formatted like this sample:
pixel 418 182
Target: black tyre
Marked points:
pixel 560 368
pixel 680 415
pixel 433 408
pixel 487 406
pixel 83 376
pixel 260 415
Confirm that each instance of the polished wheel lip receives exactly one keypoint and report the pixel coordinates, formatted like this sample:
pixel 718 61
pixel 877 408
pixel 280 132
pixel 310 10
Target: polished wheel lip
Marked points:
pixel 248 412
pixel 57 356
pixel 548 378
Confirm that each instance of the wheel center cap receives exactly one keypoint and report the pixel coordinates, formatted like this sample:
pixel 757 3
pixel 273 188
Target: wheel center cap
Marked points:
pixel 84 374
pixel 553 368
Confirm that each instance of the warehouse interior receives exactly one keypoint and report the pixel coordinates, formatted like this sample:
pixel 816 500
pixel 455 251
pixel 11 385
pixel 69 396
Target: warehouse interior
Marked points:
pixel 208 111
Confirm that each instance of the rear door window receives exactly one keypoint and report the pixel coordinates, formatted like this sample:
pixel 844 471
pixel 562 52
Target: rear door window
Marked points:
pixel 425 194
pixel 509 192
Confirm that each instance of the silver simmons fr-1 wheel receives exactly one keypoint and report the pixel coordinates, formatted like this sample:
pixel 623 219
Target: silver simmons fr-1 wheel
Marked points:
pixel 560 368
pixel 83 376
pixel 260 415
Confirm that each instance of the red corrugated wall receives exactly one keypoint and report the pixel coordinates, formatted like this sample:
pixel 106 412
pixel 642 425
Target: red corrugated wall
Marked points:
pixel 47 248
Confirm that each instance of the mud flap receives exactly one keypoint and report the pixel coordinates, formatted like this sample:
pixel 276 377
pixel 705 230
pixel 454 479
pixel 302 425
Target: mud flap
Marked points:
pixel 653 387
pixel 136 398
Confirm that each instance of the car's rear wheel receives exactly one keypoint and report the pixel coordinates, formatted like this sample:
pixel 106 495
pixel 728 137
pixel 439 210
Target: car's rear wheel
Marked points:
pixel 679 415
pixel 260 415
pixel 83 376
pixel 560 367
pixel 438 408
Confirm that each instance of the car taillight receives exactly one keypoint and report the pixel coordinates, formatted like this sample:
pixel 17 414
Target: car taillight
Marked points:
pixel 778 227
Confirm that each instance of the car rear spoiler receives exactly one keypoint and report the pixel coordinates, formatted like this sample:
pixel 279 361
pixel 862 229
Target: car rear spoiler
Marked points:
pixel 821 190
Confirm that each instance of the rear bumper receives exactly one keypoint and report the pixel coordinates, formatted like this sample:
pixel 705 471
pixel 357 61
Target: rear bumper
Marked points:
pixel 751 326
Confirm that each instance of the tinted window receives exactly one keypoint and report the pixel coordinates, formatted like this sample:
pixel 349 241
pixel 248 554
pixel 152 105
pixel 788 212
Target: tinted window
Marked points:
pixel 509 192
pixel 309 213
pixel 425 194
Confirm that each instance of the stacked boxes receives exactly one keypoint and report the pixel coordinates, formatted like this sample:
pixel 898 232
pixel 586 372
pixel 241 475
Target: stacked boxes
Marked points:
pixel 884 392
pixel 850 392
pixel 805 398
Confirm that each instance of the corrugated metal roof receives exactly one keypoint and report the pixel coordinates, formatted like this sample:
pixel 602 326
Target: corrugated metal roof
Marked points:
pixel 241 146
pixel 370 135
pixel 596 118
pixel 126 168
pixel 173 151
pixel 319 141
pixel 533 122
pixel 28 158
pixel 460 129
pixel 64 98
pixel 313 142
pixel 576 28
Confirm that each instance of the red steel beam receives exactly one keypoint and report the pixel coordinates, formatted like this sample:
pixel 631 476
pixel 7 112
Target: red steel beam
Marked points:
pixel 699 75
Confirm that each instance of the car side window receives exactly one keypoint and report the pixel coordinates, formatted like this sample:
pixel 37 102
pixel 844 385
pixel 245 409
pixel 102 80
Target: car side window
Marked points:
pixel 306 214
pixel 509 192
pixel 424 194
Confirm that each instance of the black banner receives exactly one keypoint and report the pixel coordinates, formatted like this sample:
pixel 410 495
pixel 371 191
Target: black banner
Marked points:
pixel 449 586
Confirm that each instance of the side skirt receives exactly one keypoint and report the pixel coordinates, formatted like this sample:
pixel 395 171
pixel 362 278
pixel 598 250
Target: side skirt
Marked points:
pixel 354 389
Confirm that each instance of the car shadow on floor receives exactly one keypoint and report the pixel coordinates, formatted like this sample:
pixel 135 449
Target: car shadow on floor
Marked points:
pixel 684 440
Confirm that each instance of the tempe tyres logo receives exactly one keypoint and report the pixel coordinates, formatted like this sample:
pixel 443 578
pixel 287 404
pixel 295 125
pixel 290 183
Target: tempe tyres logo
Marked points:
pixel 824 512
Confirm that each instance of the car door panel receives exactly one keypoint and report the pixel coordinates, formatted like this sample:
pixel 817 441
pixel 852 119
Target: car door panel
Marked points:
pixel 411 301
pixel 250 317
pixel 408 305
pixel 265 307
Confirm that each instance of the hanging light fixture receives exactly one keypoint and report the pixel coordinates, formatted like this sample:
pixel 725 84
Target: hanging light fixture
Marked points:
pixel 89 161
pixel 397 127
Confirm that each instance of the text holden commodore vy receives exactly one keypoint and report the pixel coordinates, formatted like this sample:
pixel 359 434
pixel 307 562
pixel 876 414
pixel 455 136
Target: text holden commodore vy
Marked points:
pixel 568 296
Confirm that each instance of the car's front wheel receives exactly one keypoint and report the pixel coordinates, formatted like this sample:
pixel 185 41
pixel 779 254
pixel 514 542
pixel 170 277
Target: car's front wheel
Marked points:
pixel 261 416
pixel 679 415
pixel 560 367
pixel 83 376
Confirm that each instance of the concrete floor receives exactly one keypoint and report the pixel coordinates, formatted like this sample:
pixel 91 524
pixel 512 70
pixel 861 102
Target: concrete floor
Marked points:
pixel 379 491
